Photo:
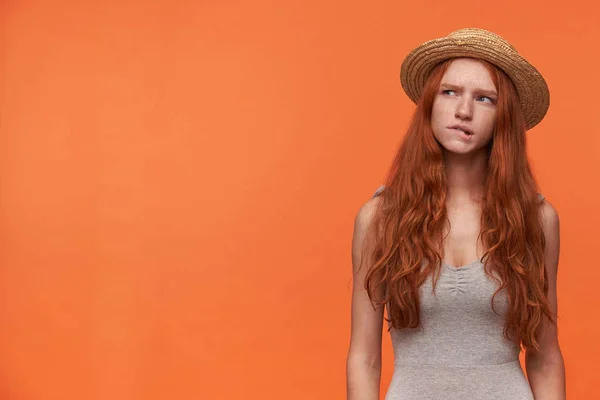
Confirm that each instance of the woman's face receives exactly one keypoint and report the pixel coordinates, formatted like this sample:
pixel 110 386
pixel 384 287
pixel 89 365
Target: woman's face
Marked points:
pixel 467 98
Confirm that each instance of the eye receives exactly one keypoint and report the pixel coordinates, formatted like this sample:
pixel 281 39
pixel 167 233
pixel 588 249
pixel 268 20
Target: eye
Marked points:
pixel 446 91
pixel 489 98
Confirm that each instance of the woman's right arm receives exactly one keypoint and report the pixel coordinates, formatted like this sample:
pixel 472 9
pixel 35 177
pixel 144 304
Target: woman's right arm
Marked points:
pixel 363 365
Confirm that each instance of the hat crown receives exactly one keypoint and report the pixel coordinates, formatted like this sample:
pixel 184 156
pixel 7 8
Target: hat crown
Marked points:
pixel 470 35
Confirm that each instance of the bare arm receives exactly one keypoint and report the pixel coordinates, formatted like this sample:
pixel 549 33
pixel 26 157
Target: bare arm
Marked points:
pixel 363 365
pixel 545 368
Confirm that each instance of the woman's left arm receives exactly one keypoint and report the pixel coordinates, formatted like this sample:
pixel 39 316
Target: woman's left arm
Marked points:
pixel 545 368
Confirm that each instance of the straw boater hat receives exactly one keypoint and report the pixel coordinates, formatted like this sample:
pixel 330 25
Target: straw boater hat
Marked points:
pixel 479 43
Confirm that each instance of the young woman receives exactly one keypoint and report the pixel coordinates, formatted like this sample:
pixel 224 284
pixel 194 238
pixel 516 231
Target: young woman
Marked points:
pixel 458 245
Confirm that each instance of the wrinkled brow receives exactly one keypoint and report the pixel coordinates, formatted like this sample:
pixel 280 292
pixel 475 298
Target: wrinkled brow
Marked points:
pixel 477 90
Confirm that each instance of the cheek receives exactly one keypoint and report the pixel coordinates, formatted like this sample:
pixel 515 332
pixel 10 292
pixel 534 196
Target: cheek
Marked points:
pixel 436 123
pixel 437 112
pixel 487 127
pixel 490 123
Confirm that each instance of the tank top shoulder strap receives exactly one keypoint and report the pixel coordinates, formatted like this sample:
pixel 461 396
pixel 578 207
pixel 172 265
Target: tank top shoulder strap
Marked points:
pixel 541 196
pixel 378 191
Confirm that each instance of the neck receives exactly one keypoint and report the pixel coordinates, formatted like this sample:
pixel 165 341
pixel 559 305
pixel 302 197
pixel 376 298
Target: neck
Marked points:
pixel 465 176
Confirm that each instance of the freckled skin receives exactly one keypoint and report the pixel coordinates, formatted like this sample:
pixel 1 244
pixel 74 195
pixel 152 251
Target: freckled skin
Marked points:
pixel 466 107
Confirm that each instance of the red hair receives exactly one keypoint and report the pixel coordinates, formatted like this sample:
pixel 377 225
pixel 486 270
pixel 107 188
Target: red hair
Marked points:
pixel 406 231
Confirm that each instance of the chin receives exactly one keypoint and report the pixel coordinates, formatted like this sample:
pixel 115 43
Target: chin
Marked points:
pixel 470 148
pixel 458 151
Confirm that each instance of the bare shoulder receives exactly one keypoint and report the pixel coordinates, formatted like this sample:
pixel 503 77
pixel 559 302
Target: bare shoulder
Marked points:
pixel 362 224
pixel 549 217
pixel 551 227
pixel 367 211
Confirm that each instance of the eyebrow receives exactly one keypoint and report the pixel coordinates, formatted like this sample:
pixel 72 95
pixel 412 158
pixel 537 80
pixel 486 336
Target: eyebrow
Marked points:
pixel 482 91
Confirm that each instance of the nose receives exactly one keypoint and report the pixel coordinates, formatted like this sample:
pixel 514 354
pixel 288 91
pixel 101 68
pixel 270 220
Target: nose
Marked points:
pixel 464 109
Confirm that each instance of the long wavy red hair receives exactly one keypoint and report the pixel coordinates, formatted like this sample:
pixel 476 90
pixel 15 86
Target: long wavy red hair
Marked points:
pixel 407 230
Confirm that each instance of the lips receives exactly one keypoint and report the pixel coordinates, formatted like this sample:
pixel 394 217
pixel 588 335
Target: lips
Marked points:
pixel 462 128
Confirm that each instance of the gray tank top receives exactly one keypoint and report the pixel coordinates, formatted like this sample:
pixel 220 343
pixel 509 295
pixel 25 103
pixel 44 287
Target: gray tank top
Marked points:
pixel 459 352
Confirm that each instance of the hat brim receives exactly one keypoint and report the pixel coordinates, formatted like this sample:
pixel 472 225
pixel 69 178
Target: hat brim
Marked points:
pixel 534 95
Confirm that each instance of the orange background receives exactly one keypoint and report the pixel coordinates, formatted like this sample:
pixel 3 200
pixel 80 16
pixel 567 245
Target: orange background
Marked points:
pixel 179 182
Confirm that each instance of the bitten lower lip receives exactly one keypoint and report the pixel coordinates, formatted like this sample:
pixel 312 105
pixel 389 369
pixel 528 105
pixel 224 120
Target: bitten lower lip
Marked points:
pixel 462 134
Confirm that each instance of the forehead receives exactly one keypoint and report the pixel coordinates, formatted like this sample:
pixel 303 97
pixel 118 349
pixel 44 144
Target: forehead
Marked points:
pixel 468 72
